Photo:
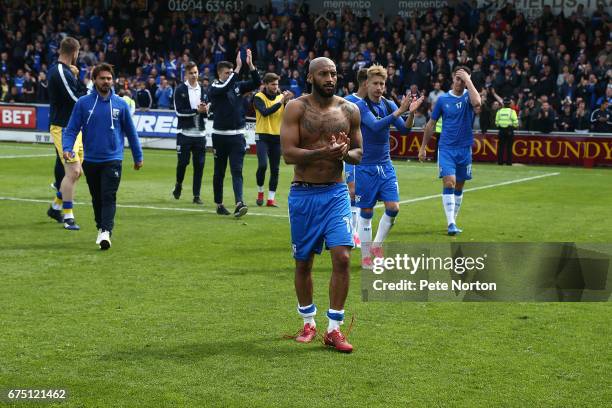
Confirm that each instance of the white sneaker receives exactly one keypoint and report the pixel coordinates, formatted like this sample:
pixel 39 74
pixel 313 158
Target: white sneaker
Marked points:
pixel 105 241
pixel 99 237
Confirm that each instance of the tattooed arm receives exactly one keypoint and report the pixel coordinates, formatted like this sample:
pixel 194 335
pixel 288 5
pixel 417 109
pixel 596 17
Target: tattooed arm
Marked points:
pixel 354 154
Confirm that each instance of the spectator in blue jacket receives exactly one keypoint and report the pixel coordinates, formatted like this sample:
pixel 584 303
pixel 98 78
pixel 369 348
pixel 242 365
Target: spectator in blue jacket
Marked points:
pixel 163 95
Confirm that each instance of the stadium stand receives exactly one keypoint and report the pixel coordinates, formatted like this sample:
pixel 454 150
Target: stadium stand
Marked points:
pixel 563 62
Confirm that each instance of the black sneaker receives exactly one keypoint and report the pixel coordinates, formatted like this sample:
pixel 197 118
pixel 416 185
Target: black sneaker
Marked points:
pixel 70 224
pixel 240 210
pixel 177 191
pixel 55 214
pixel 221 210
pixel 197 200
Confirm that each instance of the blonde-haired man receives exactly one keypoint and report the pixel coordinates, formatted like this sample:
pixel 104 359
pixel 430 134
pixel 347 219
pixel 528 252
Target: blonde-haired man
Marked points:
pixel 376 179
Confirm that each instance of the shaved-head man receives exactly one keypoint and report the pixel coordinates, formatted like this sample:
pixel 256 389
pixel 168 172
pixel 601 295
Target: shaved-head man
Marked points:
pixel 319 132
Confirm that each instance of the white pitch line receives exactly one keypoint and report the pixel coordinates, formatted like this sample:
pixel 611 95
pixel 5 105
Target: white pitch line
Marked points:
pixel 21 156
pixel 147 207
pixel 413 200
pixel 504 183
pixel 10 146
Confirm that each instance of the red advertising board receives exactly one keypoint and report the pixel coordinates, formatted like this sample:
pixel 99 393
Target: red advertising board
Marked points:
pixel 577 149
pixel 18 117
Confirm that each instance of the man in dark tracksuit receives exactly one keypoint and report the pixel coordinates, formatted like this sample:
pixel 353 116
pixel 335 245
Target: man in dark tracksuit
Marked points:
pixel 105 119
pixel 64 91
pixel 226 96
pixel 144 100
pixel 190 107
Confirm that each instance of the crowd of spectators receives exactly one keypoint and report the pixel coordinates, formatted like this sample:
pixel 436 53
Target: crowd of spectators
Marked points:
pixel 556 69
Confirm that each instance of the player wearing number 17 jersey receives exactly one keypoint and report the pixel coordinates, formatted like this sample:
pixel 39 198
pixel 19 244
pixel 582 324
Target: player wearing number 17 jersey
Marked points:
pixel 456 107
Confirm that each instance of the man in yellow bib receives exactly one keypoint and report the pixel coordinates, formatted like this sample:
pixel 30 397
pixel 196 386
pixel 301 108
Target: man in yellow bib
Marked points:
pixel 269 109
pixel 506 120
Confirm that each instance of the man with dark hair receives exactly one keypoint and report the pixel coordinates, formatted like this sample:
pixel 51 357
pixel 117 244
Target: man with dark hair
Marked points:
pixel 227 99
pixel 456 107
pixel 144 100
pixel 546 118
pixel 319 132
pixel 601 118
pixel 64 90
pixel 191 108
pixel 105 119
pixel 269 108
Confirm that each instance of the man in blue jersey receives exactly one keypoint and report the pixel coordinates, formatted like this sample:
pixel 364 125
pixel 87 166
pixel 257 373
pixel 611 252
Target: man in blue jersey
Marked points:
pixel 375 179
pixel 456 107
pixel 349 169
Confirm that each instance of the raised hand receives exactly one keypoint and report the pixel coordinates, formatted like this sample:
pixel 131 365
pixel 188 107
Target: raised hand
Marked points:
pixel 414 105
pixel 463 75
pixel 249 59
pixel 238 62
pixel 405 104
pixel 287 95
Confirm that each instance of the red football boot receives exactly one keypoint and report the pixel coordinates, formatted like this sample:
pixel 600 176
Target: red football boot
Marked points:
pixel 377 251
pixel 357 240
pixel 366 262
pixel 307 334
pixel 337 340
pixel 260 199
pixel 271 203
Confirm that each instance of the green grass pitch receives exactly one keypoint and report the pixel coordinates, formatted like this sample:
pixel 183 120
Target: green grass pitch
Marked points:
pixel 188 308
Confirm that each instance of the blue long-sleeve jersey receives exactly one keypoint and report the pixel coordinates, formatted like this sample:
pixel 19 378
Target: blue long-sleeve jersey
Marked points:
pixel 104 122
pixel 352 98
pixel 375 130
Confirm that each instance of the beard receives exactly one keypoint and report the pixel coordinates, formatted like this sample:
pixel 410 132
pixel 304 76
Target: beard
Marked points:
pixel 323 91
pixel 103 88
